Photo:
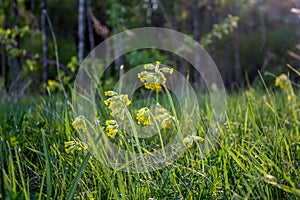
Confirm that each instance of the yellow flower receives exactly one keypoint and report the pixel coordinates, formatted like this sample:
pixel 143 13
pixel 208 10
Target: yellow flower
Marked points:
pixel 111 128
pixel 106 102
pixel 153 86
pixel 282 81
pixel 128 102
pixel 154 80
pixel 143 116
pixel 189 140
pixel 164 118
pixel 165 126
pixel 110 122
pixel 110 93
pixel 289 97
pixel 79 123
pixel 117 103
pixel 69 151
pixel 66 144
pixel 76 145
pixel 112 133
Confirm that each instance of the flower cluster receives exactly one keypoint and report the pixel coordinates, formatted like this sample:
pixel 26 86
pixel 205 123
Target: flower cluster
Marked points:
pixel 283 82
pixel 117 103
pixel 79 123
pixel 72 146
pixel 163 117
pixel 111 128
pixel 143 116
pixel 154 78
pixel 189 140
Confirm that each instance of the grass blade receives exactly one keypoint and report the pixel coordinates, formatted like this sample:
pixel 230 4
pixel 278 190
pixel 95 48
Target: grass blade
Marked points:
pixel 48 166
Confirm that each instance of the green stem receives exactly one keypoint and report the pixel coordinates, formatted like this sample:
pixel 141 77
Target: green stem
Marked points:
pixel 135 134
pixel 160 136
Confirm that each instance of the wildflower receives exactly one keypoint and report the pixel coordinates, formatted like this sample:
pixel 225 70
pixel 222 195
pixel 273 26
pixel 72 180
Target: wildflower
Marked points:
pixel 110 93
pixel 117 103
pixel 79 123
pixel 289 97
pixel 163 117
pixel 154 80
pixel 282 81
pixel 168 122
pixel 143 116
pixel 153 86
pixel 110 122
pixel 69 151
pixel 76 145
pixel 189 140
pixel 111 128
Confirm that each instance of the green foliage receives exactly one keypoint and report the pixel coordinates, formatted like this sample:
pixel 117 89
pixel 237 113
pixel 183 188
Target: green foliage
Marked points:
pixel 230 22
pixel 54 85
pixel 7 37
pixel 140 57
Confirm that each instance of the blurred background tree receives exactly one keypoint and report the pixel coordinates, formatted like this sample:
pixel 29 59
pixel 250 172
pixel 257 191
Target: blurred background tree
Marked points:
pixel 242 36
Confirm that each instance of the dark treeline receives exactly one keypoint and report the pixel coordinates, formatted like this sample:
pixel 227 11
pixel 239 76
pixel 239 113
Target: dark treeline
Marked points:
pixel 243 37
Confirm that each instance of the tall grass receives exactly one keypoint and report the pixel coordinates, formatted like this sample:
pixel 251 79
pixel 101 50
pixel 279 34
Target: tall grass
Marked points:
pixel 256 156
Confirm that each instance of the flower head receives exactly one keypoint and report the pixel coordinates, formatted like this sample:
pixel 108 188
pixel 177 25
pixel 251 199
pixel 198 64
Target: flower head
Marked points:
pixel 282 81
pixel 189 140
pixel 111 128
pixel 75 145
pixel 143 116
pixel 117 103
pixel 164 118
pixel 79 123
pixel 154 78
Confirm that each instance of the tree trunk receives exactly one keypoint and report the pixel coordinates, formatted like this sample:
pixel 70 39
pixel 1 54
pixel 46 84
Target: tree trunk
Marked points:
pixel 32 9
pixel 237 63
pixel 227 65
pixel 16 66
pixel 119 61
pixel 6 56
pixel 90 26
pixel 81 30
pixel 196 32
pixel 44 41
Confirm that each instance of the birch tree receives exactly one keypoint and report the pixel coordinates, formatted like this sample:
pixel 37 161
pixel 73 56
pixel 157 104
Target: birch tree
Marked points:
pixel 81 30
pixel 44 41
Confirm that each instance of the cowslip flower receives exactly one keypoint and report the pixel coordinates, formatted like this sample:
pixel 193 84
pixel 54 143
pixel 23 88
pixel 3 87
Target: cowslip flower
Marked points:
pixel 117 103
pixel 282 81
pixel 189 140
pixel 164 118
pixel 79 123
pixel 143 116
pixel 111 128
pixel 154 77
pixel 76 145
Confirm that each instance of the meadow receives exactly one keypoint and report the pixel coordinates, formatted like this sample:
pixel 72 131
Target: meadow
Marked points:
pixel 257 155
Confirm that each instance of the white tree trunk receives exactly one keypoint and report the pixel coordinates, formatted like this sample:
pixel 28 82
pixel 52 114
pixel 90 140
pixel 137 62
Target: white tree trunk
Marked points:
pixel 81 30
pixel 90 25
pixel 44 40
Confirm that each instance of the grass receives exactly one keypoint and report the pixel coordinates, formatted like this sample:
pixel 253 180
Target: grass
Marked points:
pixel 256 157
